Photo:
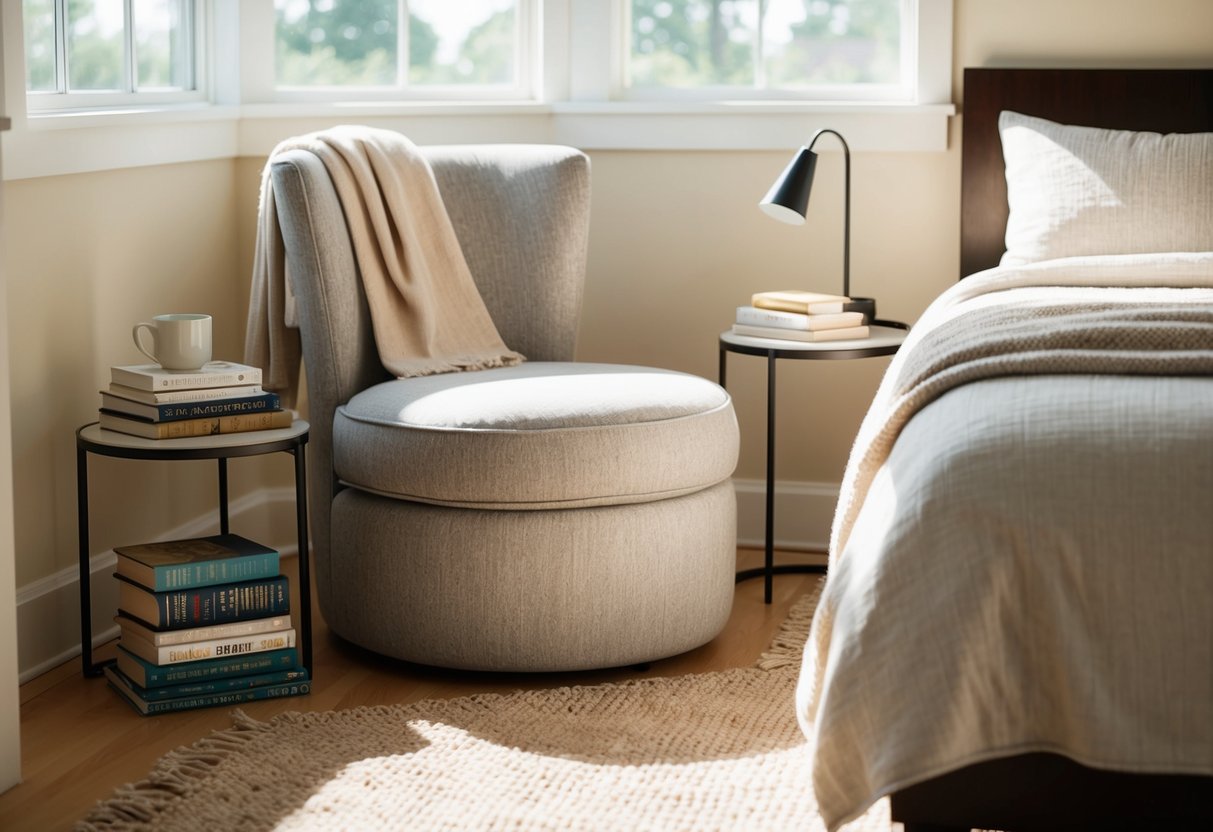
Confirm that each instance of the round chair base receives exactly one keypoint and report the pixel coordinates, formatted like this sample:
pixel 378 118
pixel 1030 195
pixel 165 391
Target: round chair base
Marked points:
pixel 545 590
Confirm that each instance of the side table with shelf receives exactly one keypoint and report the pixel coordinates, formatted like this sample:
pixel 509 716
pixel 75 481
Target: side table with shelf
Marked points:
pixel 885 339
pixel 91 439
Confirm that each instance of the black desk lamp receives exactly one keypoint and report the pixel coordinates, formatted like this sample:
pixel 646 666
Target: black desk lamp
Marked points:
pixel 788 201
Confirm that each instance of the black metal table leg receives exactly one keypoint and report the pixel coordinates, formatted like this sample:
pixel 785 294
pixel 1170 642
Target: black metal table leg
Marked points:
pixel 769 561
pixel 305 585
pixel 86 588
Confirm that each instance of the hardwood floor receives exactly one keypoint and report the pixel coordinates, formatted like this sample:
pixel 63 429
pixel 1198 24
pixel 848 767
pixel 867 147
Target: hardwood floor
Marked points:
pixel 79 741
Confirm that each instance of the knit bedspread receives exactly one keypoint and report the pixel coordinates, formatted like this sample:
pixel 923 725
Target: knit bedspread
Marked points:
pixel 1022 553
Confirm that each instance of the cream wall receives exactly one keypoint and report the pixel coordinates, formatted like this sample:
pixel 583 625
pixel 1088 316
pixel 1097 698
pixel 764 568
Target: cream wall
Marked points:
pixel 676 243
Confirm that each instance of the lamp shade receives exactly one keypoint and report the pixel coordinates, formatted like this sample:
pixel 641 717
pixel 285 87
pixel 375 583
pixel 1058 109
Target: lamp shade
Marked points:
pixel 788 199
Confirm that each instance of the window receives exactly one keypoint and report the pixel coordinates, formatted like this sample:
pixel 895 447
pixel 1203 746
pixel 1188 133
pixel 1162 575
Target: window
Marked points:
pixel 821 49
pixel 106 52
pixel 424 48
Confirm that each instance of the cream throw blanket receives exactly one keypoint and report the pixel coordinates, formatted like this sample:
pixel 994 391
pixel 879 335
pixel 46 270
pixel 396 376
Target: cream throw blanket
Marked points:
pixel 426 312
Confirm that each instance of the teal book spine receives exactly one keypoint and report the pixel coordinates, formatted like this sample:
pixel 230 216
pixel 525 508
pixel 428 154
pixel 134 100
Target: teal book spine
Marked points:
pixel 130 689
pixel 233 570
pixel 221 685
pixel 235 697
pixel 200 561
pixel 148 675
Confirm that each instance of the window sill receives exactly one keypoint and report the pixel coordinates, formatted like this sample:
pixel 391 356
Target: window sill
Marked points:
pixel 51 144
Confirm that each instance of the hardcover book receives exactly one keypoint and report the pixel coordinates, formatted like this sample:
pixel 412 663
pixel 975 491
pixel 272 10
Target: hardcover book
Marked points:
pixel 158 637
pixel 196 561
pixel 212 374
pixel 195 427
pixel 201 606
pixel 175 411
pixel 756 316
pixel 217 648
pixel 844 334
pixel 185 703
pixel 148 675
pixel 198 394
pixel 221 685
pixel 797 300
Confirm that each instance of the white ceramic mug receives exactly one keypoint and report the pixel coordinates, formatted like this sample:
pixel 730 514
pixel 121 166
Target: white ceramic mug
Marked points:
pixel 180 341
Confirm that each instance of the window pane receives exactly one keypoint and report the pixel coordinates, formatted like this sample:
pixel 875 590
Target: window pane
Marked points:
pixel 764 44
pixel 329 42
pixel 693 43
pixel 95 45
pixel 162 44
pixel 470 42
pixel 38 19
pixel 814 42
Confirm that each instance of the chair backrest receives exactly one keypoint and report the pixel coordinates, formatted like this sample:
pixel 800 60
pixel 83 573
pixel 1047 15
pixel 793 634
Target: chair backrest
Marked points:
pixel 521 213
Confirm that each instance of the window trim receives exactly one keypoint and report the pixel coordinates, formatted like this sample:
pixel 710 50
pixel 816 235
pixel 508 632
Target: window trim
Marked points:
pixel 243 119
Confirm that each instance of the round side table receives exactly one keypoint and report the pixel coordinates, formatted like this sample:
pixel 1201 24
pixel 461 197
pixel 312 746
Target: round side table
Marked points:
pixel 92 439
pixel 885 338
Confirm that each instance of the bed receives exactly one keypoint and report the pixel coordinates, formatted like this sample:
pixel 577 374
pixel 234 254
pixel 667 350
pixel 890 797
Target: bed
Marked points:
pixel 1016 631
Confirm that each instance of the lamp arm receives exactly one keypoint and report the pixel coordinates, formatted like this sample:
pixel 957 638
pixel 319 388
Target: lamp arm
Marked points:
pixel 846 223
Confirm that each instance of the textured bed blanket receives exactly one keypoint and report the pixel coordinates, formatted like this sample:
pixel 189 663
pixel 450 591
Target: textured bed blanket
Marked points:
pixel 427 315
pixel 1022 555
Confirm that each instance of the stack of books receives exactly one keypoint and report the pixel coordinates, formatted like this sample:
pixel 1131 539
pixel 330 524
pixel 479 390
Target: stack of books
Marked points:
pixel 795 315
pixel 221 397
pixel 204 621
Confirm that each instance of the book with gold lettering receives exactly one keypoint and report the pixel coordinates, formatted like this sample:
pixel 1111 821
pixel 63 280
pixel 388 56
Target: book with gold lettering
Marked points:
pixel 203 606
pixel 216 648
pixel 196 561
pixel 206 426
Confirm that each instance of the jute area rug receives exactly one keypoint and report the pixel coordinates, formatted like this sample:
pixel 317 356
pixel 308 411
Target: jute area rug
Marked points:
pixel 712 751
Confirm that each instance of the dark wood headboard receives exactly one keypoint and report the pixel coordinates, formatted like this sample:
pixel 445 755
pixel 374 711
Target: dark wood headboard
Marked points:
pixel 1161 100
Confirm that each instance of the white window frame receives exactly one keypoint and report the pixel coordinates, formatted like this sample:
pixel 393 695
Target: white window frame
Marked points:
pixel 62 100
pixel 574 100
pixel 526 23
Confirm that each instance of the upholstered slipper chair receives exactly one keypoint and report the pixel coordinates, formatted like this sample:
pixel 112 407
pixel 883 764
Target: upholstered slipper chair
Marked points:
pixel 554 515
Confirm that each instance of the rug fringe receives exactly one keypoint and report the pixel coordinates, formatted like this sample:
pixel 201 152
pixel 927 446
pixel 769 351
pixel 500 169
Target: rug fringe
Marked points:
pixel 176 774
pixel 788 645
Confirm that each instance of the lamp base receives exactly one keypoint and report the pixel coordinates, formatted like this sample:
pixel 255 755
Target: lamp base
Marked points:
pixel 865 305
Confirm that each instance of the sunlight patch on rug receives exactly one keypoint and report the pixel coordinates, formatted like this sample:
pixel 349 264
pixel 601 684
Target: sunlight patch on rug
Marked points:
pixel 718 751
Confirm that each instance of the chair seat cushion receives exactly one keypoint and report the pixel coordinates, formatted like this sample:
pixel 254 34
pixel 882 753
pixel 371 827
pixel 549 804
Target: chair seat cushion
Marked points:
pixel 537 435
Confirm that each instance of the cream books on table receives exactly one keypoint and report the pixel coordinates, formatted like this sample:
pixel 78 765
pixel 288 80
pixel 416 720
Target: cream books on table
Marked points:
pixel 212 374
pixel 799 315
pixel 777 319
pixel 804 302
pixel 839 334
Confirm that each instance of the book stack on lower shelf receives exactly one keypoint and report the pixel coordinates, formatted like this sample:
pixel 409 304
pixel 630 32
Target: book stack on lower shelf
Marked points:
pixel 221 397
pixel 204 621
pixel 795 315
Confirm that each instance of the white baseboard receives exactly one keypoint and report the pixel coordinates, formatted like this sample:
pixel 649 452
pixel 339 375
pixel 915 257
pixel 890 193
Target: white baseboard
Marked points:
pixel 48 619
pixel 803 514
pixel 48 622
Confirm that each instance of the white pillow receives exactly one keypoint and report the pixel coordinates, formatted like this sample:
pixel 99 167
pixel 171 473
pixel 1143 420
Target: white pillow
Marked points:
pixel 1082 190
